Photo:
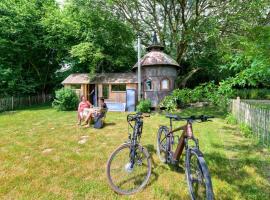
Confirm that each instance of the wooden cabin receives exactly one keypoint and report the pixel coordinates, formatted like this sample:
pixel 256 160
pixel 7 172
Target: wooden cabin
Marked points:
pixel 118 89
pixel 158 72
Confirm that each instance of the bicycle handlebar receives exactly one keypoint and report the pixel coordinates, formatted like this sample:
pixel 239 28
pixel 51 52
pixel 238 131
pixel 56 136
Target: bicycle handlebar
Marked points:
pixel 138 115
pixel 203 118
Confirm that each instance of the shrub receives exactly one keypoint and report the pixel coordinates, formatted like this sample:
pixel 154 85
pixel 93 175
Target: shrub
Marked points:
pixel 252 93
pixel 246 130
pixel 217 95
pixel 169 103
pixel 144 106
pixel 65 99
pixel 230 119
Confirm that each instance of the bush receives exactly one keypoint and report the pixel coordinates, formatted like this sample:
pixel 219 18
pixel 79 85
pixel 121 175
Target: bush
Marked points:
pixel 169 103
pixel 230 119
pixel 65 99
pixel 252 93
pixel 246 130
pixel 180 98
pixel 144 106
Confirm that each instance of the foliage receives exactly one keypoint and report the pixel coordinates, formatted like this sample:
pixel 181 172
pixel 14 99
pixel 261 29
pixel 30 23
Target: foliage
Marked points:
pixel 230 119
pixel 247 57
pixel 38 38
pixel 196 33
pixel 105 43
pixel 65 99
pixel 27 58
pixel 246 130
pixel 169 103
pixel 252 93
pixel 217 95
pixel 144 106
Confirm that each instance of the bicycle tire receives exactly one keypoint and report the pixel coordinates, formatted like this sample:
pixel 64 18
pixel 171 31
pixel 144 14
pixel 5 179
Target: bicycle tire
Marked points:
pixel 161 148
pixel 113 185
pixel 203 169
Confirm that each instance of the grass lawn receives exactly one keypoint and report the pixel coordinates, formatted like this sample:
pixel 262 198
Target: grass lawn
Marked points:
pixel 40 158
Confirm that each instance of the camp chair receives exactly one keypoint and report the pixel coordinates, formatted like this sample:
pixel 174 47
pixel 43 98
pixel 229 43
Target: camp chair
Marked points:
pixel 99 120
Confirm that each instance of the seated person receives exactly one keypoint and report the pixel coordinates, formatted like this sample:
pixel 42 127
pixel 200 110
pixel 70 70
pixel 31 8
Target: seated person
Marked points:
pixel 82 105
pixel 97 114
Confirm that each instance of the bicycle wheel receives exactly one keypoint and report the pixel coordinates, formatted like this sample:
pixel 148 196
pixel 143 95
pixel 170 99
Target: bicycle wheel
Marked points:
pixel 162 143
pixel 123 178
pixel 198 177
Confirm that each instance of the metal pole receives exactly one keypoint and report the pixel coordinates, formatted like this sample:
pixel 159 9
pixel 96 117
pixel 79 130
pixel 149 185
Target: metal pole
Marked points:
pixel 139 68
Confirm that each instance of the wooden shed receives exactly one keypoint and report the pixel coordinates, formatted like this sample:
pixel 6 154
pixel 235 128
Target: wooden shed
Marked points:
pixel 118 89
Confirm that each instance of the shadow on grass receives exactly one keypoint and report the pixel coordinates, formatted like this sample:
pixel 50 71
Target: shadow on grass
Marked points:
pixel 248 164
pixel 174 167
pixel 236 173
pixel 109 124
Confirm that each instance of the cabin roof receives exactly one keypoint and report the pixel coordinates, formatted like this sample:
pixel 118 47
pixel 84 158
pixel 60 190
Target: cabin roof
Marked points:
pixel 84 78
pixel 78 78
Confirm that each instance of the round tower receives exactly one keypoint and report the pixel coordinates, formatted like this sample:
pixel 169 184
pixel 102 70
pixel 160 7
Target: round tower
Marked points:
pixel 158 72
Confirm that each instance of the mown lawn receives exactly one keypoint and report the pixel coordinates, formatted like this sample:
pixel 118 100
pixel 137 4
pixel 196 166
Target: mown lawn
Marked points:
pixel 40 158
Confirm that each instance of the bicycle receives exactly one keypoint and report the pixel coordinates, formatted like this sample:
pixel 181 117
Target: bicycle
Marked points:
pixel 197 173
pixel 129 166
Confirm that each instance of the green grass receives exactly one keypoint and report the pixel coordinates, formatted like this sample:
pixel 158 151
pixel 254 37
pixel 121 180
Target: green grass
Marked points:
pixel 240 169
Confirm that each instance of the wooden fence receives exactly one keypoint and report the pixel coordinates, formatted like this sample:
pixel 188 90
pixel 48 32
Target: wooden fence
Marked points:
pixel 12 103
pixel 258 119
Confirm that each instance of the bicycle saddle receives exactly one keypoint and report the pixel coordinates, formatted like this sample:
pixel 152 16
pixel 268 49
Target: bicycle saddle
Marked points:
pixel 171 116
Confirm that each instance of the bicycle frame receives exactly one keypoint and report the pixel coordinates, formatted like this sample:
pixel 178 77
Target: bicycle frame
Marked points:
pixel 187 133
pixel 137 130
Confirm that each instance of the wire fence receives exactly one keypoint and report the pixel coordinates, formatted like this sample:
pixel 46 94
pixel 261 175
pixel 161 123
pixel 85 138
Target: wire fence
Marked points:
pixel 255 116
pixel 13 103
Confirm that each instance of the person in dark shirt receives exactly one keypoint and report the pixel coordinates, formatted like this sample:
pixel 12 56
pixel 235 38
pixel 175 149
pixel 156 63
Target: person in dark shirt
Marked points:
pixel 102 103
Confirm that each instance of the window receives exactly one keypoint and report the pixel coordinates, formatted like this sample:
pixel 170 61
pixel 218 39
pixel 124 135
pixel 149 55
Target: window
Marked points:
pixel 105 91
pixel 75 86
pixel 148 84
pixel 118 87
pixel 165 84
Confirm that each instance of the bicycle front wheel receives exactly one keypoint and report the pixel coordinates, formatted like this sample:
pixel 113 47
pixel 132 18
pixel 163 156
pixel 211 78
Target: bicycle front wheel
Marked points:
pixel 162 143
pixel 123 176
pixel 198 177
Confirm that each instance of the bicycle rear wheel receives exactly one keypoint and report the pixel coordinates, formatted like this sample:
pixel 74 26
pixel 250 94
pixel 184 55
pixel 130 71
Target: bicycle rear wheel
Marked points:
pixel 122 176
pixel 198 177
pixel 162 143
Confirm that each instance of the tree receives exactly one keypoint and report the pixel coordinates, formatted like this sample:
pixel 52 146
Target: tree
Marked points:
pixel 192 30
pixel 27 61
pixel 104 43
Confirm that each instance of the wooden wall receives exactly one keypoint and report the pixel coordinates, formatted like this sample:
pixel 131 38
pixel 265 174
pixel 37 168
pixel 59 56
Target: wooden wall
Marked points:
pixel 113 96
pixel 117 96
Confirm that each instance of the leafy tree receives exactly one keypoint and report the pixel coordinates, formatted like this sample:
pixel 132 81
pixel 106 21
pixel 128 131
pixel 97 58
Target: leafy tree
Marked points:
pixel 193 30
pixel 104 43
pixel 27 62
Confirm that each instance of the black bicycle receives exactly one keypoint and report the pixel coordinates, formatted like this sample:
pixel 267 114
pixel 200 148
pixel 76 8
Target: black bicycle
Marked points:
pixel 129 166
pixel 197 173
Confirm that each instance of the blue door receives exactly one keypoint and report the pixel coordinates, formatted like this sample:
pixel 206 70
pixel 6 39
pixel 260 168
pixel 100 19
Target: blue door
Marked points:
pixel 131 95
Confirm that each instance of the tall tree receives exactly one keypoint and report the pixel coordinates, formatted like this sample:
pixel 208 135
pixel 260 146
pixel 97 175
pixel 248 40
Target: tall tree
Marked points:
pixel 104 43
pixel 191 30
pixel 27 61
